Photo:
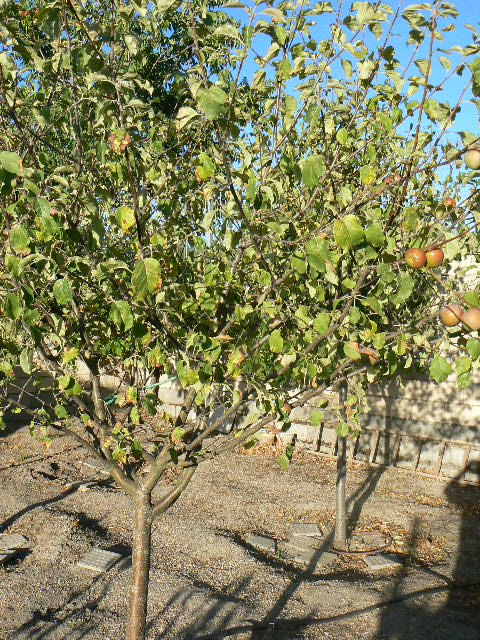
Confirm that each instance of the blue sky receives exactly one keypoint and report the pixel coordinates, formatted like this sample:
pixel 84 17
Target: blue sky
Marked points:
pixel 469 12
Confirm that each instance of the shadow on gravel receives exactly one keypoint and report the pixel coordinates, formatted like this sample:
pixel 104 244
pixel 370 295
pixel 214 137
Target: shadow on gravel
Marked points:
pixel 283 629
pixel 458 616
pixel 220 613
pixel 403 614
pixel 79 609
pixel 44 503
pixel 203 607
pixel 36 505
pixel 44 623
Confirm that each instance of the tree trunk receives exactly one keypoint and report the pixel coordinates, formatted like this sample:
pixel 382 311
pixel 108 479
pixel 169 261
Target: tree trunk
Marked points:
pixel 340 538
pixel 140 568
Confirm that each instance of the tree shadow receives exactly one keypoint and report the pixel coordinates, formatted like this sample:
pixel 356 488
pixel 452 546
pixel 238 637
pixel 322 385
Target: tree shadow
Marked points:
pixel 221 611
pixel 354 506
pixel 48 501
pixel 43 624
pixel 447 610
pixel 205 607
pixel 36 505
pixel 456 616
pixel 78 608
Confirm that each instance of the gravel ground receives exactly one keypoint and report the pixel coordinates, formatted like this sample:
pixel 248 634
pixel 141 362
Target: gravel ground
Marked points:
pixel 207 582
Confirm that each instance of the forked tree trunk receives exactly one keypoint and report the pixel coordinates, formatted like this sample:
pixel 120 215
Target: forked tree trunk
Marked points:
pixel 340 538
pixel 140 569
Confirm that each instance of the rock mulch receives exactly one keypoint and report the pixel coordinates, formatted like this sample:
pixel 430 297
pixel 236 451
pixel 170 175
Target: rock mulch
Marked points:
pixel 206 581
pixel 11 544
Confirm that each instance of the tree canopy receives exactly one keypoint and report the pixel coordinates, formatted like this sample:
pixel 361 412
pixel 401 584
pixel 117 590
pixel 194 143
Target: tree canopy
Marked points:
pixel 216 193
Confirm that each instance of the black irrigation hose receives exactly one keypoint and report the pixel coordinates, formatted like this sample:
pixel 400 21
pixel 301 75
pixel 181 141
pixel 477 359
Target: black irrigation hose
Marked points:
pixel 364 552
pixel 294 625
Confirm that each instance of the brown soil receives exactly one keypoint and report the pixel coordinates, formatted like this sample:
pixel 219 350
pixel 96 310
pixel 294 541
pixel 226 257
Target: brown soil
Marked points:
pixel 206 582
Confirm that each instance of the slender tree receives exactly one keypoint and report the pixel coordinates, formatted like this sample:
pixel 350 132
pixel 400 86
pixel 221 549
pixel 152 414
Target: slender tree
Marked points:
pixel 340 535
pixel 310 176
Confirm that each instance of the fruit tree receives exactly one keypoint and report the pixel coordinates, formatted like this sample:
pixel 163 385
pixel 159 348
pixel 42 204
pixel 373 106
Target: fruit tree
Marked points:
pixel 238 219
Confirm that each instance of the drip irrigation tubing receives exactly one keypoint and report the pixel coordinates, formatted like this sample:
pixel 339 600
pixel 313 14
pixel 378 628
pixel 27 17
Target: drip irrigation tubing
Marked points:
pixel 113 396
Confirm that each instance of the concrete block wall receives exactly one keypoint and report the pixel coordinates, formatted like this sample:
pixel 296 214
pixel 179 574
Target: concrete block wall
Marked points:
pixel 412 406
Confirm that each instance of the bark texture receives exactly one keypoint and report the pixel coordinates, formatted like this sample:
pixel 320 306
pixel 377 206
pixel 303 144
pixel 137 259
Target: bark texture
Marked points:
pixel 340 538
pixel 140 568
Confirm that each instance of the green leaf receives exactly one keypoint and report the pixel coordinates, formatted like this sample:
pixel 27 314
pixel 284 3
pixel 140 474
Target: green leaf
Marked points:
pixel 440 369
pixel 211 102
pixel 178 434
pixel 146 277
pixel 204 167
pixel 61 412
pixel 185 116
pixel 472 298
pixel 298 264
pixel 31 317
pixel 251 189
pixel 119 455
pixel 135 416
pixel 316 418
pixel 125 217
pixel 319 8
pixel 303 319
pixel 321 323
pixel 283 461
pixel 12 307
pixel 121 314
pixel 70 355
pixel 11 162
pixel 6 368
pixel 463 380
pixel 284 70
pixel 135 445
pixel 276 342
pixel 312 170
pixel 342 137
pixel 281 35
pixel 473 347
pixel 463 365
pixel 350 352
pixel 373 303
pixel 26 360
pixel 12 264
pixel 317 253
pixel 19 238
pixel 342 429
pixel 354 315
pixel 347 68
pixel 348 232
pixel 374 235
pixel 405 289
pixel 65 381
pixel 285 458
pixel 132 43
pixel 166 5
pixel 186 376
pixel 149 404
pixel 475 69
pixel 62 292
pixel 367 174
